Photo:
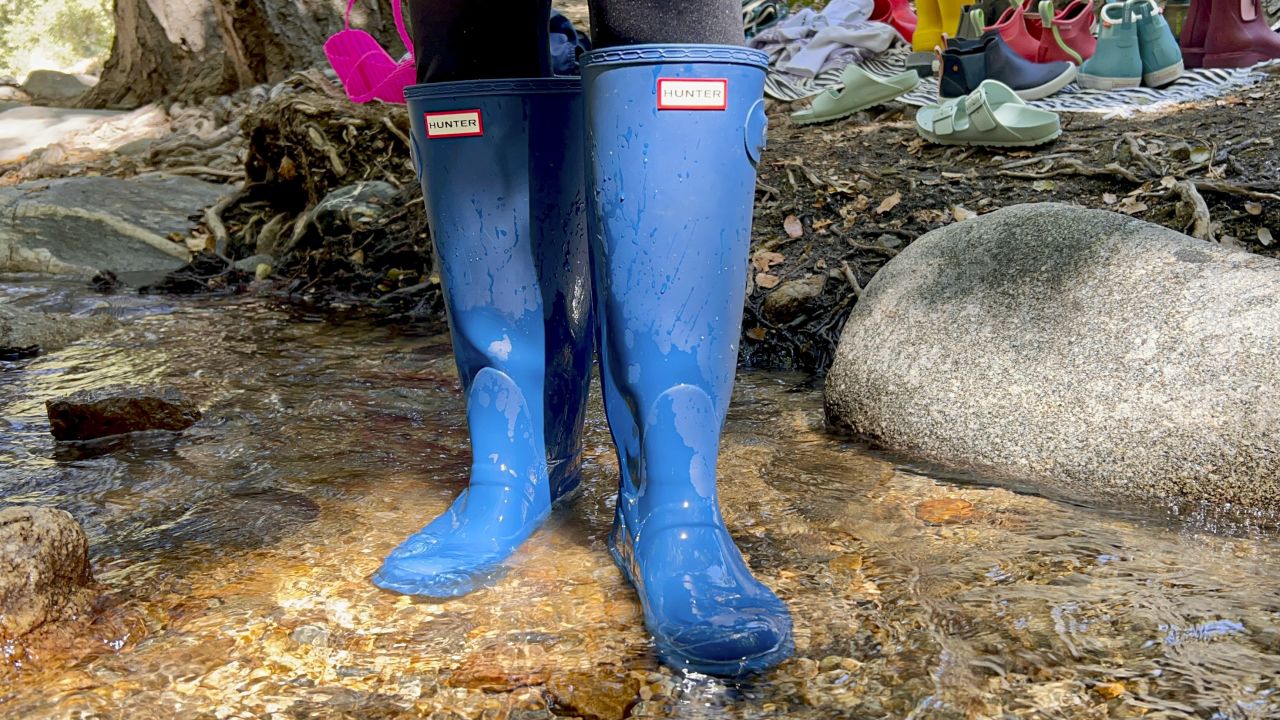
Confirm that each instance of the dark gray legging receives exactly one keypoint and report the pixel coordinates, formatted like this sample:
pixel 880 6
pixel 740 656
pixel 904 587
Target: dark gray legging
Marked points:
pixel 480 39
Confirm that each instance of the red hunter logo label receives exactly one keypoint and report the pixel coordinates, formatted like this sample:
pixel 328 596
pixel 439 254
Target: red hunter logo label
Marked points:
pixel 699 94
pixel 454 123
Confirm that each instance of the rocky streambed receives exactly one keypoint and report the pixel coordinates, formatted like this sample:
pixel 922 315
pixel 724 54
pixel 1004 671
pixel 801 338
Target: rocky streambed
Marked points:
pixel 231 561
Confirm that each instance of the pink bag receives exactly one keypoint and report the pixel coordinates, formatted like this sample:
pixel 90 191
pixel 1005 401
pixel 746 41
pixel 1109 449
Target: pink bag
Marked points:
pixel 365 68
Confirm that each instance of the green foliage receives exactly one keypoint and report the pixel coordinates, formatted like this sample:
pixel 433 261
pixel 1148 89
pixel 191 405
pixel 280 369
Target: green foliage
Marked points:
pixel 54 34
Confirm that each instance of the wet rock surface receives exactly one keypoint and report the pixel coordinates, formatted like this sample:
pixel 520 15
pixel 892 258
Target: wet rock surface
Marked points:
pixel 1078 350
pixel 91 414
pixel 44 569
pixel 26 333
pixel 79 226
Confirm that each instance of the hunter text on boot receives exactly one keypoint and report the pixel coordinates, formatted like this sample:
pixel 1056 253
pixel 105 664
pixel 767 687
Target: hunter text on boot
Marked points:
pixel 455 123
pixel 701 94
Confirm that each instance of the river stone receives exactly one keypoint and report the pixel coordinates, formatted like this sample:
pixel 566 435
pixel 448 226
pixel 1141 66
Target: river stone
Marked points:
pixel 1079 351
pixel 44 569
pixel 51 87
pixel 792 298
pixel 90 414
pixel 79 226
pixel 27 332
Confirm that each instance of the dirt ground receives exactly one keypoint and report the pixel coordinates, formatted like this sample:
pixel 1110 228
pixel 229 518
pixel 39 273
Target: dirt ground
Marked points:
pixel 840 200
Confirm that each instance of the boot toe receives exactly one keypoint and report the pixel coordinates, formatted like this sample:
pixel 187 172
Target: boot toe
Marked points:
pixel 731 643
pixel 437 574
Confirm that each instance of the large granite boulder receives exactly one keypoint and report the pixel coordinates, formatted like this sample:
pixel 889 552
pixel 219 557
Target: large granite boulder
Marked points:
pixel 44 569
pixel 81 225
pixel 51 87
pixel 1080 351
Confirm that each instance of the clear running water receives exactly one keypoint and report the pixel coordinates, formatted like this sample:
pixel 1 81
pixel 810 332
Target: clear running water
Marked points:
pixel 237 558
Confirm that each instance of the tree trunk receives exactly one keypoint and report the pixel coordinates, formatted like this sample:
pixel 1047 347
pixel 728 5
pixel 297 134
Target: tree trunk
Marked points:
pixel 192 49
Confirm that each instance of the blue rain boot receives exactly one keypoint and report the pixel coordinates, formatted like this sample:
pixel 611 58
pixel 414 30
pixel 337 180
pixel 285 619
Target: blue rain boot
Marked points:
pixel 501 164
pixel 673 136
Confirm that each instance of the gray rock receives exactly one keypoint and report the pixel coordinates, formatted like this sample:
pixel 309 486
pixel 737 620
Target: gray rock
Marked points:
pixel 10 93
pixel 27 332
pixel 53 87
pixel 1081 351
pixel 78 226
pixel 792 298
pixel 251 263
pixel 90 414
pixel 44 569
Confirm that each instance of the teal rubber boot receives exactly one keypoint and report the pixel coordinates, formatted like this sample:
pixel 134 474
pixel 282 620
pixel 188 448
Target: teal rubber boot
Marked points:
pixel 1161 56
pixel 1116 63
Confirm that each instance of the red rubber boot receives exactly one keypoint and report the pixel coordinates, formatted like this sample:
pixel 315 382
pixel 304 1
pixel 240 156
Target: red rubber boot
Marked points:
pixel 896 14
pixel 1238 35
pixel 1195 29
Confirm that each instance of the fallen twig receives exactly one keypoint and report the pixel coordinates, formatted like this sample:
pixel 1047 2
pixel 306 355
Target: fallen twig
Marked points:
pixel 213 220
pixel 851 278
pixel 1201 223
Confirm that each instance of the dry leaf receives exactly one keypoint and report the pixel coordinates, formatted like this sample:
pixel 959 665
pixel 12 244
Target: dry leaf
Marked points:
pixel 960 213
pixel 793 227
pixel 766 281
pixel 1130 206
pixel 889 203
pixel 1264 237
pixel 1200 154
pixel 763 260
pixel 1168 181
pixel 862 202
pixel 1043 185
pixel 1253 208
pixel 756 333
pixel 357 257
pixel 1109 198
pixel 953 175
pixel 820 225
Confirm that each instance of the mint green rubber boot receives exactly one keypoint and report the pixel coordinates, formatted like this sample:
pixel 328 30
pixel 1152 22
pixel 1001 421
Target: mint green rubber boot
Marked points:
pixel 1161 56
pixel 1117 62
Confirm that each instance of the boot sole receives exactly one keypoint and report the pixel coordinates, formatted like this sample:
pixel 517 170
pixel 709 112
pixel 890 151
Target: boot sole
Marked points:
pixel 1163 77
pixel 1235 60
pixel 1049 88
pixel 677 660
pixel 938 140
pixel 1101 82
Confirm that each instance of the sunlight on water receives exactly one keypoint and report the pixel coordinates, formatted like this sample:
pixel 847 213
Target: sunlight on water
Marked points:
pixel 236 559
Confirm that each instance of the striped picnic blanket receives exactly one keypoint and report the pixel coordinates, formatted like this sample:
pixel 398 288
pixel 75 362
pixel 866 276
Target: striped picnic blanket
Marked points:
pixel 1193 85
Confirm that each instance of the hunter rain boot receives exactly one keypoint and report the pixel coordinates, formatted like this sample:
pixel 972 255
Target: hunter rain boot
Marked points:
pixel 673 136
pixel 501 164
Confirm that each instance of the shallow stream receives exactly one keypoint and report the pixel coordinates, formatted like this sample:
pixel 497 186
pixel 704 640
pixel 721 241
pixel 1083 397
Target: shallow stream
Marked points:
pixel 237 557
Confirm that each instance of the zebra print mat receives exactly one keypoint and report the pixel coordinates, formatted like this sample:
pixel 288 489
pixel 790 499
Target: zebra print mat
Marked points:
pixel 1193 85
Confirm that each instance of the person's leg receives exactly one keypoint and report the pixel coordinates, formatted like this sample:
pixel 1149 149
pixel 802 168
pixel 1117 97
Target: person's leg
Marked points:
pixel 674 130
pixel 501 165
pixel 640 22
pixel 480 40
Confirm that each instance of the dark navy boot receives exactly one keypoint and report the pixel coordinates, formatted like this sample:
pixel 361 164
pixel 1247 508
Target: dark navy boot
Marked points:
pixel 501 164
pixel 673 136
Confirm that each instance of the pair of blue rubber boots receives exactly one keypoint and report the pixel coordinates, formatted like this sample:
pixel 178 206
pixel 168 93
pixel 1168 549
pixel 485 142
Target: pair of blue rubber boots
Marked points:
pixel 612 211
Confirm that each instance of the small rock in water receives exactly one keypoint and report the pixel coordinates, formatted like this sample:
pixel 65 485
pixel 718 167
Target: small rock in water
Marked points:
pixel 91 414
pixel 944 510
pixel 1109 690
pixel 311 635
pixel 44 569
pixel 595 695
